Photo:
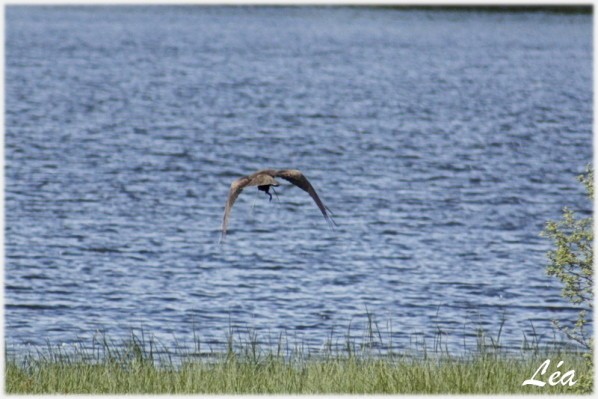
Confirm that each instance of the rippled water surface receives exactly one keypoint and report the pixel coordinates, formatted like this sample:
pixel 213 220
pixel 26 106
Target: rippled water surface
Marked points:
pixel 441 140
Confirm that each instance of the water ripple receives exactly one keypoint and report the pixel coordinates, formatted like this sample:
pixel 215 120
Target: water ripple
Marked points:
pixel 440 159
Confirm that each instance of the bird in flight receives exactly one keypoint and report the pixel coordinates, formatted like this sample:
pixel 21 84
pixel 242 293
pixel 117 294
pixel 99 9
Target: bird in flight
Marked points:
pixel 264 179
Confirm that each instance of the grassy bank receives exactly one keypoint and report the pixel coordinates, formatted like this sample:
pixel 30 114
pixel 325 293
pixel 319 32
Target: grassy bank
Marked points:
pixel 131 368
pixel 275 375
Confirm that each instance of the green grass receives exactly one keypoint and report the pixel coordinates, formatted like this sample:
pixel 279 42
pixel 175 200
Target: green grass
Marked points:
pixel 248 369
pixel 275 375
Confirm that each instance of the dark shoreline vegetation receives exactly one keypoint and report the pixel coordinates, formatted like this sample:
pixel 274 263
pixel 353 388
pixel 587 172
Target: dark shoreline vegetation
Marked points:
pixel 557 9
pixel 515 8
pixel 252 365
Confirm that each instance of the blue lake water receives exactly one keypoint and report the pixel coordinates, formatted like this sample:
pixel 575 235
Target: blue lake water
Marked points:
pixel 441 140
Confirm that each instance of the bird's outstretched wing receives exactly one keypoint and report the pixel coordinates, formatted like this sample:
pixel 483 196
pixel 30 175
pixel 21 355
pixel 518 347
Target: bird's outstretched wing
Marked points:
pixel 235 189
pixel 297 178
